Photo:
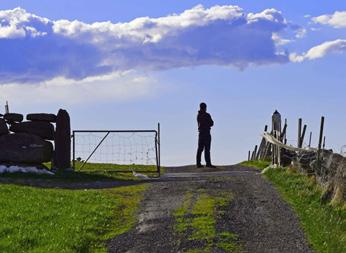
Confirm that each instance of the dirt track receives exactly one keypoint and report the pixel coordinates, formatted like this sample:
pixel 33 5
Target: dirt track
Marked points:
pixel 256 213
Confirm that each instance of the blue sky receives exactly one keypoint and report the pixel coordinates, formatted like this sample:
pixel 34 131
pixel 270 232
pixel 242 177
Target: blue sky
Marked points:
pixel 159 70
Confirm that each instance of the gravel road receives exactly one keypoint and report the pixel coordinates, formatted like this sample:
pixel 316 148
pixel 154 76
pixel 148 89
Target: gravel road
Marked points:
pixel 256 213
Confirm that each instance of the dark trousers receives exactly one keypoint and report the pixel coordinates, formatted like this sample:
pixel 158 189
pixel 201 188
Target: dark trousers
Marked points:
pixel 204 142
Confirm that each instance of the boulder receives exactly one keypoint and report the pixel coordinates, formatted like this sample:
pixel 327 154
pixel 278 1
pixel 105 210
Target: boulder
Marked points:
pixel 24 148
pixel 13 117
pixel 62 154
pixel 47 117
pixel 3 127
pixel 39 128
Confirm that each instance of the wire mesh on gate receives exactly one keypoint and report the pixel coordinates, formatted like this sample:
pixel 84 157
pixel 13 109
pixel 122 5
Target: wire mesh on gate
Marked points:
pixel 109 148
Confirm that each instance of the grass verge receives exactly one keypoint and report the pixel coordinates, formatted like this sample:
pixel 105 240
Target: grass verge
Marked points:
pixel 323 224
pixel 55 220
pixel 256 164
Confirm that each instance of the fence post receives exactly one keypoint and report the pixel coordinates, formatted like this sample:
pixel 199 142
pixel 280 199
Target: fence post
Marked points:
pixel 159 147
pixel 255 152
pixel 299 131
pixel 302 137
pixel 320 143
pixel 276 130
pixel 262 145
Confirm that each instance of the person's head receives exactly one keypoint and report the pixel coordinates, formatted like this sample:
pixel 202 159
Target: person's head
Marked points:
pixel 203 107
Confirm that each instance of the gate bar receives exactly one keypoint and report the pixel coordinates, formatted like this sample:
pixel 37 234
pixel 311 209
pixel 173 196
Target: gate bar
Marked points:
pixel 94 151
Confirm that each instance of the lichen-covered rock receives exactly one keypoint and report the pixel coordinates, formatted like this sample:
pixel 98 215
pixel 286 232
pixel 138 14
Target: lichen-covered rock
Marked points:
pixel 24 148
pixel 3 127
pixel 39 128
pixel 62 154
pixel 13 117
pixel 48 117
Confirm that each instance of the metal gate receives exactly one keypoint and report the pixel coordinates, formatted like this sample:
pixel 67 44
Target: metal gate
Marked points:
pixel 124 148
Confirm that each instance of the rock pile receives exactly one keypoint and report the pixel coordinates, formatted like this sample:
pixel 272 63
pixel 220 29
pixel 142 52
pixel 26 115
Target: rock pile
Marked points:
pixel 30 142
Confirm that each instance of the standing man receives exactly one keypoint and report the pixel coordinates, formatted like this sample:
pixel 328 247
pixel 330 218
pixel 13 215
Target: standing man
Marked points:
pixel 205 122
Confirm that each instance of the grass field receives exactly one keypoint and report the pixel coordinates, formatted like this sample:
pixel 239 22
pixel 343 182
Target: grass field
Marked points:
pixel 57 220
pixel 324 225
pixel 35 219
pixel 120 170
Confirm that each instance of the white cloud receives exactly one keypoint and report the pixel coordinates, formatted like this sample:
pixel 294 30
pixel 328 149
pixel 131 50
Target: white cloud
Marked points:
pixel 319 51
pixel 300 33
pixel 35 49
pixel 16 24
pixel 336 20
pixel 279 41
pixel 115 86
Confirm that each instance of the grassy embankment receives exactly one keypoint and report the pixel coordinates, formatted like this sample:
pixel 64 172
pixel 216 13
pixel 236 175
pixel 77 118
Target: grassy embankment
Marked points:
pixel 196 222
pixel 323 224
pixel 59 220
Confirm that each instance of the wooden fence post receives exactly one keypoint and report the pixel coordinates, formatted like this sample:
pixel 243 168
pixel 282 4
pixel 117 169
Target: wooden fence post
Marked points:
pixel 262 145
pixel 276 130
pixel 320 143
pixel 300 121
pixel 310 139
pixel 302 137
pixel 254 153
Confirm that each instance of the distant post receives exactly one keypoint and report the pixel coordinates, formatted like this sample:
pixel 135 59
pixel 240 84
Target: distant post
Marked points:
pixel 320 142
pixel 310 139
pixel 300 121
pixel 262 146
pixel 7 110
pixel 276 130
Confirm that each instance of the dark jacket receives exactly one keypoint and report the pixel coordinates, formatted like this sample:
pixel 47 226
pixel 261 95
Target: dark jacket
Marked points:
pixel 205 122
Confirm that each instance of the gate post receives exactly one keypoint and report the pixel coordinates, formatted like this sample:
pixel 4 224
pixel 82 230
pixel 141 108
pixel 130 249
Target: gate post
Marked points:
pixel 73 150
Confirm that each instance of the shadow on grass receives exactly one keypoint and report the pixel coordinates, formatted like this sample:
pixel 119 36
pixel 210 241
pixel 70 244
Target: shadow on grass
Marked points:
pixel 74 180
pixel 93 176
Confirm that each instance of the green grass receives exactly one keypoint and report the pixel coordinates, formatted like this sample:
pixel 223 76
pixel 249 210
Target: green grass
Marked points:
pixel 323 224
pixel 114 167
pixel 119 171
pixel 197 221
pixel 55 220
pixel 256 164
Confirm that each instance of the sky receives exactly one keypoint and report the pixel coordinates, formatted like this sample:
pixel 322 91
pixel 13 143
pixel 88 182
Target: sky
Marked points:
pixel 130 65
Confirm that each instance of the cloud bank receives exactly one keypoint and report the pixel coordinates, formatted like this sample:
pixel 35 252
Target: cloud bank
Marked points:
pixel 335 46
pixel 36 49
pixel 111 87
pixel 336 20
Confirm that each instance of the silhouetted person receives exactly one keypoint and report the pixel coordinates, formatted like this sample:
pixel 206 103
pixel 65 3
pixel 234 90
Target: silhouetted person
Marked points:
pixel 205 122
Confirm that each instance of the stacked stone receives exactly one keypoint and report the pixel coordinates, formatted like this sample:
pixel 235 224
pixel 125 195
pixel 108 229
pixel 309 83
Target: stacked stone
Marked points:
pixel 30 142
pixel 26 142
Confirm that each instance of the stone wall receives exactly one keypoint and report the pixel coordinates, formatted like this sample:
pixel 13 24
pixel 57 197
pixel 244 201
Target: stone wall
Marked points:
pixel 30 142
pixel 329 170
